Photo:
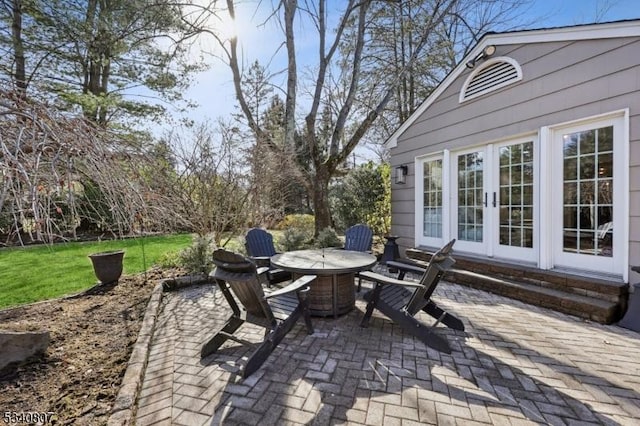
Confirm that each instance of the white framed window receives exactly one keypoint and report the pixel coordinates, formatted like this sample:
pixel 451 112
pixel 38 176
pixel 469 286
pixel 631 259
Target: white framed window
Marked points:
pixel 431 203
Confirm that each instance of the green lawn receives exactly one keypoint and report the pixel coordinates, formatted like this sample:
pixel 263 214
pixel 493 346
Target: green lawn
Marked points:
pixel 30 274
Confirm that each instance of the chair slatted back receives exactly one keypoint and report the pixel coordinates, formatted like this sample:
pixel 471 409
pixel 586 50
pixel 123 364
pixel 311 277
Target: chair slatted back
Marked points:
pixel 259 242
pixel 358 238
pixel 440 262
pixel 241 275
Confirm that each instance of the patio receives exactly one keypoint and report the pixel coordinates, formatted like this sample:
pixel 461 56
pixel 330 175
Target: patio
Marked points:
pixel 515 364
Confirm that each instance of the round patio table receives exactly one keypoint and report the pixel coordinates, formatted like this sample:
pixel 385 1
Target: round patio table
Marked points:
pixel 332 293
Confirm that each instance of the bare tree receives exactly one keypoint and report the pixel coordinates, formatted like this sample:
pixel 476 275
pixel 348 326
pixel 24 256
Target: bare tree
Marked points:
pixel 328 150
pixel 60 174
pixel 15 11
pixel 208 191
pixel 387 56
pixel 347 92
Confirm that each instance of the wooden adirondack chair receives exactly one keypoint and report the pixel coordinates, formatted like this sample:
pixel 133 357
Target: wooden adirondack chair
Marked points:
pixel 358 238
pixel 259 245
pixel 277 312
pixel 402 300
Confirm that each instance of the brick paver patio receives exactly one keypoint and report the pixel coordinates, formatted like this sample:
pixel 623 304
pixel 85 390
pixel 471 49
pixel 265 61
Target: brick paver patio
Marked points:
pixel 515 364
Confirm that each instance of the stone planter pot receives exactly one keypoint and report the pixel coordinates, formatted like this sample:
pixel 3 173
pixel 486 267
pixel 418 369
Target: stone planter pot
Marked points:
pixel 107 265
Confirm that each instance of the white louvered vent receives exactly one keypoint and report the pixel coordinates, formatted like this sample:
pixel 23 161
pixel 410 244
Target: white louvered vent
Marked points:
pixel 492 75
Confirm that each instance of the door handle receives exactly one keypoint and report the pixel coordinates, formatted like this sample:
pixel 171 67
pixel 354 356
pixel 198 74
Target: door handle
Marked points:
pixel 485 199
pixel 494 199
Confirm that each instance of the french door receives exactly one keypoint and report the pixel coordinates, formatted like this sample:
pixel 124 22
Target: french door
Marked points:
pixel 494 200
pixel 588 196
pixel 558 199
pixel 470 200
pixel 513 199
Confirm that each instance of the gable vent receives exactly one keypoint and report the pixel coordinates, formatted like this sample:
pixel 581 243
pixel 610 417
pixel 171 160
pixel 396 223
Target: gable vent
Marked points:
pixel 492 75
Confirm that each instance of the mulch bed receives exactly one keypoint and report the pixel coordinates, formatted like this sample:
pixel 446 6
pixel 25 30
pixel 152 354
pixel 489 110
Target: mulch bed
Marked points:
pixel 92 335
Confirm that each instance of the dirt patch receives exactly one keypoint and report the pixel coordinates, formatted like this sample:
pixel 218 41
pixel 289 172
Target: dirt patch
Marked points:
pixel 92 335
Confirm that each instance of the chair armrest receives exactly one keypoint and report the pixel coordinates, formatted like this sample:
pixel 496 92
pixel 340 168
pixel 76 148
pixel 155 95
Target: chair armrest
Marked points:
pixel 297 285
pixel 407 267
pixel 216 273
pixel 382 279
pixel 262 270
pixel 261 260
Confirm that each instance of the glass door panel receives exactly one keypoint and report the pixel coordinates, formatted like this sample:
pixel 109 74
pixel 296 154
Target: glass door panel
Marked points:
pixel 494 200
pixel 514 168
pixel 470 197
pixel 588 192
pixel 468 218
pixel 432 199
pixel 516 195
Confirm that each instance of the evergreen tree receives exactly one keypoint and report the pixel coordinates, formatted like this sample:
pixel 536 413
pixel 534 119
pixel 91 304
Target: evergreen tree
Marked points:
pixel 95 55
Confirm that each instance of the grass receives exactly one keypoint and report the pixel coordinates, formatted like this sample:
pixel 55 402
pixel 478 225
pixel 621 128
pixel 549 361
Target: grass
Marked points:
pixel 30 274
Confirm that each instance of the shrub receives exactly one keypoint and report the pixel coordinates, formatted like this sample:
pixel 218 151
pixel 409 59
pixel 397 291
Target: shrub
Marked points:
pixel 363 196
pixel 304 222
pixel 197 259
pixel 293 239
pixel 170 259
pixel 327 238
pixel 298 230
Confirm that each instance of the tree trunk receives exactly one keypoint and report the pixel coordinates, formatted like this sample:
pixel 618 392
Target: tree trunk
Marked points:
pixel 105 73
pixel 290 8
pixel 320 196
pixel 97 66
pixel 20 77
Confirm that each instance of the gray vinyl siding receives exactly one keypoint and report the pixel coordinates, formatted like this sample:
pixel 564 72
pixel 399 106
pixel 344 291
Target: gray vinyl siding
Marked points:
pixel 562 81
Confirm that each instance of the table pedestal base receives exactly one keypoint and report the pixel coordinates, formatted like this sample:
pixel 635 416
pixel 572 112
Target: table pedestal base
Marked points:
pixel 331 295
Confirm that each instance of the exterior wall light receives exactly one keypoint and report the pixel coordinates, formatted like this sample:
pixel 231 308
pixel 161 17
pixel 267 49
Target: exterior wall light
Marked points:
pixel 401 174
pixel 486 52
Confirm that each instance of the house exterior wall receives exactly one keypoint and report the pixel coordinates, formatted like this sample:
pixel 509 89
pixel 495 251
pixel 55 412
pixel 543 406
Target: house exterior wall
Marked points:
pixel 562 82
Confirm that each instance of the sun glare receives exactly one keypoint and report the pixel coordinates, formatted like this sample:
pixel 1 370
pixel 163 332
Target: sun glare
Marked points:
pixel 227 28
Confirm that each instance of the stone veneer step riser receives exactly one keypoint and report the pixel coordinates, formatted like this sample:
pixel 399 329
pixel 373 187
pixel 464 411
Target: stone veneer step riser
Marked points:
pixel 574 290
pixel 594 299
pixel 605 315
pixel 563 281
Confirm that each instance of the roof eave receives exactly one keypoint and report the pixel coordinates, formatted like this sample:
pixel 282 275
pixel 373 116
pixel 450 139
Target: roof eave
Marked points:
pixel 627 28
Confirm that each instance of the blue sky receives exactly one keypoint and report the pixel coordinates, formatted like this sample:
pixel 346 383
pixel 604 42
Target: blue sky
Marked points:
pixel 213 90
pixel 572 12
